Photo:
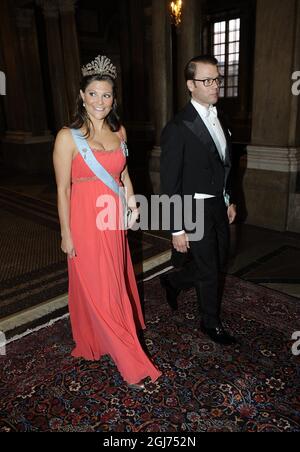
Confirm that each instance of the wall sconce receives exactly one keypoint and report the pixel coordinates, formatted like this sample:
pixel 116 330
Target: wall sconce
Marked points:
pixel 176 12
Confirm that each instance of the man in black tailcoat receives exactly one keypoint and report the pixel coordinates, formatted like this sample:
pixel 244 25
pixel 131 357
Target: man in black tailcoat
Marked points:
pixel 196 163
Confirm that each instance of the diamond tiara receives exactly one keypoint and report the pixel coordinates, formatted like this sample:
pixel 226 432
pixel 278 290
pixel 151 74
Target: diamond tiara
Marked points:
pixel 100 66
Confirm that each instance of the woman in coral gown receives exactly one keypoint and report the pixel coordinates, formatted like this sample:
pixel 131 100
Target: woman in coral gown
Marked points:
pixel 104 302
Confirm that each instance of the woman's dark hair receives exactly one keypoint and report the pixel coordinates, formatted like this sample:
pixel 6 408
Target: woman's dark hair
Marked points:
pixel 81 117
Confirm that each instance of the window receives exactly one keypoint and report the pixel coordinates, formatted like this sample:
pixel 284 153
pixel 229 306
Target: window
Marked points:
pixel 226 48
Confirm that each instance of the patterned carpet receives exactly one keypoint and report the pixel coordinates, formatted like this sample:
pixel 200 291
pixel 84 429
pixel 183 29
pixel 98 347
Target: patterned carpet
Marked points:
pixel 251 387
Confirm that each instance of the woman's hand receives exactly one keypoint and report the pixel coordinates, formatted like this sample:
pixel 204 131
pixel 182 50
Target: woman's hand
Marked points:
pixel 67 247
pixel 135 214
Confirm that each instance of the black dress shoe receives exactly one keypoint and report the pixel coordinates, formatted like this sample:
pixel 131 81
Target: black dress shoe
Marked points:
pixel 219 335
pixel 171 292
pixel 140 386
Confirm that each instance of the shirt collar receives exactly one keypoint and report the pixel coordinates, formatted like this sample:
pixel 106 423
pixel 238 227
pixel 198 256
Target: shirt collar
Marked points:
pixel 203 111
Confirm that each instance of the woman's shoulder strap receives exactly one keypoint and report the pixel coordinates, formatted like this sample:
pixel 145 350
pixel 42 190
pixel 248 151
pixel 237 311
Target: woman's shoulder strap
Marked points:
pixel 123 142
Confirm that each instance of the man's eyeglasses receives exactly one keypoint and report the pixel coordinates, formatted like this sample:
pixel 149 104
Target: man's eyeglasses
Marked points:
pixel 210 81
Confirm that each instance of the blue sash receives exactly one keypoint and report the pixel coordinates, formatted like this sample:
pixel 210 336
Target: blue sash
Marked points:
pixel 99 171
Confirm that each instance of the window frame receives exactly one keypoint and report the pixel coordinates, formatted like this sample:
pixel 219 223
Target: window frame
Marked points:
pixel 238 109
pixel 227 19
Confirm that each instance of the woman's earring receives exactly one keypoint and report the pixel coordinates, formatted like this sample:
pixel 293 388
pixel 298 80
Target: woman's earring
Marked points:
pixel 83 104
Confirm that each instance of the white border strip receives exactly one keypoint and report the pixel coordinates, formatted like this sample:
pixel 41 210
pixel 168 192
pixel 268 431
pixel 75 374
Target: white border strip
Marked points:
pixel 38 328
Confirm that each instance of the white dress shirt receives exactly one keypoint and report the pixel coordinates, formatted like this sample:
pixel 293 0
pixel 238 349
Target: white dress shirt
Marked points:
pixel 210 118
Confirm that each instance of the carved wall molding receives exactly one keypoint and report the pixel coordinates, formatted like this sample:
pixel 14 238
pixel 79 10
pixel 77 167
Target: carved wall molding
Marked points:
pixel 50 8
pixel 284 160
pixel 67 6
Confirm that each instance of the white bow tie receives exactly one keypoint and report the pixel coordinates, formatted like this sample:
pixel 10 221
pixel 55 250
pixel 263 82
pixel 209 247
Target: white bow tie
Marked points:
pixel 212 111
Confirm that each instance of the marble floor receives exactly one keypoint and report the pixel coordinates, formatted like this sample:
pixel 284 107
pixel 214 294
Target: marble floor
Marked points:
pixel 266 257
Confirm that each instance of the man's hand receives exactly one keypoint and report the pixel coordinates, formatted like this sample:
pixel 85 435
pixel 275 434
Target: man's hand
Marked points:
pixel 181 243
pixel 231 212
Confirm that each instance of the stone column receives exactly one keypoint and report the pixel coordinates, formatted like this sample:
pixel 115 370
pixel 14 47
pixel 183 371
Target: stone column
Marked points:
pixel 188 45
pixel 26 145
pixel 56 62
pixel 70 50
pixel 137 57
pixel 273 159
pixel 2 96
pixel 15 100
pixel 162 81
pixel 293 221
pixel 33 84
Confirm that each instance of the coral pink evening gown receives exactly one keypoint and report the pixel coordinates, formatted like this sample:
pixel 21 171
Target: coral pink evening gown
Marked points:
pixel 104 302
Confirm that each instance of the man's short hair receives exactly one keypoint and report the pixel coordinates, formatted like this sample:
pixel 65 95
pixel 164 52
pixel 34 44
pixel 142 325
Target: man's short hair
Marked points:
pixel 191 67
